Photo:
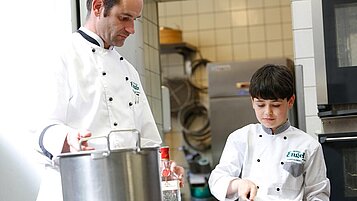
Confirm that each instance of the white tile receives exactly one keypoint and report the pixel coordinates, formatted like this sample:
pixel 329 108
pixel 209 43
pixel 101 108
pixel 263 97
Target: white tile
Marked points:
pixel 224 53
pixel 222 5
pixel 189 7
pixel 303 43
pixel 257 50
pixel 153 35
pixel 285 2
pixel 241 52
pixel 255 3
pixel 274 49
pixel 205 6
pixel 272 3
pixel 313 125
pixel 162 21
pixel 255 16
pixel 301 12
pixel 308 71
pixel 256 33
pixel 155 85
pixel 189 22
pixel 152 11
pixel 191 37
pixel 205 21
pixel 162 9
pixel 223 20
pixel 146 31
pixel 287 31
pixel 156 110
pixel 310 101
pixel 207 38
pixel 209 53
pixel 240 35
pixel 239 18
pixel 273 32
pixel 174 22
pixel 146 55
pixel 223 36
pixel 238 4
pixel 156 62
pixel 288 48
pixel 173 8
pixel 152 59
pixel 286 14
pixel 272 15
pixel 147 83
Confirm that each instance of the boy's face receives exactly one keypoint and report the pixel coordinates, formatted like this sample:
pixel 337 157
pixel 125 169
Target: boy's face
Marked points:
pixel 272 113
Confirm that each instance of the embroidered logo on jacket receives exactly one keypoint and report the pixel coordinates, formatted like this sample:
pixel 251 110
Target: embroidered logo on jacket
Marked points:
pixel 296 156
pixel 136 90
pixel 294 163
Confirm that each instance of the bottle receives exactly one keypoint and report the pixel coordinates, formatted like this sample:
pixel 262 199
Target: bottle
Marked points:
pixel 170 183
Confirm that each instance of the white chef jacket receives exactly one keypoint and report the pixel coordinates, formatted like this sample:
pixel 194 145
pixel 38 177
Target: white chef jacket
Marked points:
pixel 288 165
pixel 93 89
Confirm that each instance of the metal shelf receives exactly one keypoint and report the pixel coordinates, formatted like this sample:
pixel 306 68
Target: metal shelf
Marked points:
pixel 185 49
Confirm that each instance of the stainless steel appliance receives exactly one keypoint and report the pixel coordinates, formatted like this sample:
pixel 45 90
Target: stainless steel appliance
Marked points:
pixel 111 175
pixel 340 150
pixel 229 99
pixel 335 50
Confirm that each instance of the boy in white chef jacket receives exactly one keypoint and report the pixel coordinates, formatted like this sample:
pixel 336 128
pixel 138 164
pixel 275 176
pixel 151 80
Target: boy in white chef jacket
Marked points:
pixel 271 160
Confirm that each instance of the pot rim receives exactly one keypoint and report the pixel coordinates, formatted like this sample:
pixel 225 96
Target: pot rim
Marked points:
pixel 82 153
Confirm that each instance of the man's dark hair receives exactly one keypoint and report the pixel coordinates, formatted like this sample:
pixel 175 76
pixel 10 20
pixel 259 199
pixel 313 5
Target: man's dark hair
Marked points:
pixel 108 4
pixel 272 82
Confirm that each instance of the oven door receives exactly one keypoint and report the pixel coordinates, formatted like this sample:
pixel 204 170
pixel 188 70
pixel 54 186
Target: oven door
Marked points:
pixel 340 152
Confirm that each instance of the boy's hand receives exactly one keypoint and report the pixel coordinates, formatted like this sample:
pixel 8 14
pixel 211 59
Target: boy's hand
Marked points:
pixel 246 189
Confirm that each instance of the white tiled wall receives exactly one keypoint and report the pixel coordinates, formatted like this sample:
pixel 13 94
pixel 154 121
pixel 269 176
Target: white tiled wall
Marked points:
pixel 304 55
pixel 152 60
pixel 232 30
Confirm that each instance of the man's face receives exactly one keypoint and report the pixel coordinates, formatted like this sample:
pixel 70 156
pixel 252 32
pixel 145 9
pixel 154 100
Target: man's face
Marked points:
pixel 272 113
pixel 119 24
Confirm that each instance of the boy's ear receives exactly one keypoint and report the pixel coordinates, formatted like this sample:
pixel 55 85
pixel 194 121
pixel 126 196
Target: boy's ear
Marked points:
pixel 291 101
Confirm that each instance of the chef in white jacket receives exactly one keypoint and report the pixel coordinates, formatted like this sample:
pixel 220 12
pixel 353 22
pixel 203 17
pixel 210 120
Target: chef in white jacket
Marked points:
pixel 271 160
pixel 94 90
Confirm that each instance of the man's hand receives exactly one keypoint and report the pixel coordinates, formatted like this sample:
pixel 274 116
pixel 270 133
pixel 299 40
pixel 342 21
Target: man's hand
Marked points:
pixel 179 171
pixel 71 143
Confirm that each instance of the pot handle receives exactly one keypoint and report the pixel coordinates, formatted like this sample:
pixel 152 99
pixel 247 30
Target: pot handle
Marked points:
pixel 138 144
pixel 92 138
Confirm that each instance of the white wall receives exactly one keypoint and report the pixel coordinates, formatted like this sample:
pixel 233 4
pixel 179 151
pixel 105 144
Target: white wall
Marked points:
pixel 304 55
pixel 31 34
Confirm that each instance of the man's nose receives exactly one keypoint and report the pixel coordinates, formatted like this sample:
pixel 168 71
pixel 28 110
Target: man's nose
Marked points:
pixel 130 27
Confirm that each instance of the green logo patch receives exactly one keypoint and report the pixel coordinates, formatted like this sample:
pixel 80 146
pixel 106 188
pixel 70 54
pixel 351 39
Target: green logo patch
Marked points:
pixel 295 156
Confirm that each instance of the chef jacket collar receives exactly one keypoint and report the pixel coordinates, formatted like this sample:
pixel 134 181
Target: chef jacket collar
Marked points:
pixel 280 129
pixel 94 37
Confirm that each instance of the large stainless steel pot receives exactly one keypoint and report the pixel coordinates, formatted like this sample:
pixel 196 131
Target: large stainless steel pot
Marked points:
pixel 111 175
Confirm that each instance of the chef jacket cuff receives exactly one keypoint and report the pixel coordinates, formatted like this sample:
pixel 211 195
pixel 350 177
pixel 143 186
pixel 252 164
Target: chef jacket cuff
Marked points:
pixel 221 193
pixel 54 138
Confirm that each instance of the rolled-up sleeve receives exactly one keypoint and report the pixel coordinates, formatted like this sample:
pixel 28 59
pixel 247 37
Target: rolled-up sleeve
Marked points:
pixel 228 169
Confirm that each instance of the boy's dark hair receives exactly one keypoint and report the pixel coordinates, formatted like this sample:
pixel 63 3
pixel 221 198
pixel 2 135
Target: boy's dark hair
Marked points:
pixel 272 82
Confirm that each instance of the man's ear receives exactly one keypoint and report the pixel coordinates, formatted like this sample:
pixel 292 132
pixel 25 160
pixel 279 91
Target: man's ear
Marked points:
pixel 97 6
